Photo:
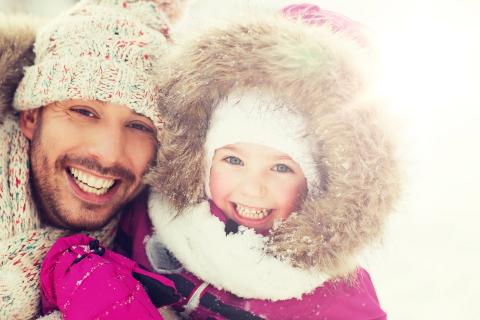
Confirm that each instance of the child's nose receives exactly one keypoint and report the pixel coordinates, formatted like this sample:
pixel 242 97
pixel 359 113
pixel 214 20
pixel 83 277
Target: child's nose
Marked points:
pixel 253 187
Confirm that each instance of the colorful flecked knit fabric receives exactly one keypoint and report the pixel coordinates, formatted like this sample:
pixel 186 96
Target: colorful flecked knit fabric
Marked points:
pixel 100 50
pixel 16 205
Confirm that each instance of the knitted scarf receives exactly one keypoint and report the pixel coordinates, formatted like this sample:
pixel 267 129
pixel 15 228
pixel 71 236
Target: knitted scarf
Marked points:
pixel 24 241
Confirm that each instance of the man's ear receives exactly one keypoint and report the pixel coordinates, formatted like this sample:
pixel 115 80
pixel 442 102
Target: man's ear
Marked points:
pixel 29 120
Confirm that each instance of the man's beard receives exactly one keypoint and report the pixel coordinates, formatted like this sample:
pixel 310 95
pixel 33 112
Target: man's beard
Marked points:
pixel 47 194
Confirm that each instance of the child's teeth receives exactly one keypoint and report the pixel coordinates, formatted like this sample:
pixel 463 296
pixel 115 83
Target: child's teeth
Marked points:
pixel 252 213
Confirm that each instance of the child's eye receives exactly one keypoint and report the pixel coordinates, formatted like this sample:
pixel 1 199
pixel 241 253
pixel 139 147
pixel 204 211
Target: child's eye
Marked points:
pixel 281 168
pixel 233 160
pixel 141 127
pixel 84 112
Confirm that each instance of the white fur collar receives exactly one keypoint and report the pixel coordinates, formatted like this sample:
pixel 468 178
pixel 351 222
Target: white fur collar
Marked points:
pixel 235 262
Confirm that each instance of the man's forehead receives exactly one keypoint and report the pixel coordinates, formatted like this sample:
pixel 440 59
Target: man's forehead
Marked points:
pixel 104 103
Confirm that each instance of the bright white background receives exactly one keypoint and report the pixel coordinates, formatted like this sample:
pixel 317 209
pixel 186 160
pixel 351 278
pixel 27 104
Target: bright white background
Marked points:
pixel 427 266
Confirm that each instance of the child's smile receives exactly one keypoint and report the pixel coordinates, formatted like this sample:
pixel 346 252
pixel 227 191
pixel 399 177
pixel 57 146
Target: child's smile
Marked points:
pixel 252 217
pixel 251 212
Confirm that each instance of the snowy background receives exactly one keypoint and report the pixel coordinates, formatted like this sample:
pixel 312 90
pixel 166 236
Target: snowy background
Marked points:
pixel 428 265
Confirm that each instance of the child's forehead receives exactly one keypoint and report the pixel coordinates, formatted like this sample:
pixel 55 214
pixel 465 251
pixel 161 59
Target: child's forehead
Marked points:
pixel 255 150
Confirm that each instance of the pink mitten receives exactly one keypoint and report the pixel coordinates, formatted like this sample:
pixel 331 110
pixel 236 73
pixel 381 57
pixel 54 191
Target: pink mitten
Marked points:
pixel 84 281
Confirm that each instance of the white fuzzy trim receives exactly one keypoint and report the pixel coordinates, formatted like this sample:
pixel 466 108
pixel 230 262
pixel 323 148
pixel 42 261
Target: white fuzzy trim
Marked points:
pixel 55 315
pixel 235 262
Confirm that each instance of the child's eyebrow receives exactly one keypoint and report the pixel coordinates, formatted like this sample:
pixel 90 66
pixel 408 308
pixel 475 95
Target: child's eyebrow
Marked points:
pixel 231 148
pixel 283 157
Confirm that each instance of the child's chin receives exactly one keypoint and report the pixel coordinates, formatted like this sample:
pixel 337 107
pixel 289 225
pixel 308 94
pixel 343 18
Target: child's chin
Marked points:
pixel 263 230
pixel 258 226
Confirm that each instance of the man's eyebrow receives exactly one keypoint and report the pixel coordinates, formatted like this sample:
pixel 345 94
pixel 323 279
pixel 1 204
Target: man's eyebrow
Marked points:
pixel 138 114
pixel 131 110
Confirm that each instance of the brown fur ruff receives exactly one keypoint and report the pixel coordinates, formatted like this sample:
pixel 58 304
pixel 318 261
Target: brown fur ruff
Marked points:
pixel 17 34
pixel 321 74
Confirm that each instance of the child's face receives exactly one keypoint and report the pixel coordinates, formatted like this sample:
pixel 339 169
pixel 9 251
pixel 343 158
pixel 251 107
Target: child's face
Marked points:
pixel 255 185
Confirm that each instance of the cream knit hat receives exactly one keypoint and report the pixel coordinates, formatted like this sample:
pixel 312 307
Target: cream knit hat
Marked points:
pixel 99 50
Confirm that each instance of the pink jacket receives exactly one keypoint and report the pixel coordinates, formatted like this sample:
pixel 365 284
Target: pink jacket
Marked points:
pixel 86 281
pixel 335 300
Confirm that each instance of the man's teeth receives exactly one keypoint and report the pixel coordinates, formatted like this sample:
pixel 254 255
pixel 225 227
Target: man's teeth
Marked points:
pixel 252 213
pixel 90 183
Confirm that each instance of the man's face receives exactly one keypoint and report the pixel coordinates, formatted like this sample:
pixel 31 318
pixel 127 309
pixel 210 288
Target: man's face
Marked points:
pixel 87 159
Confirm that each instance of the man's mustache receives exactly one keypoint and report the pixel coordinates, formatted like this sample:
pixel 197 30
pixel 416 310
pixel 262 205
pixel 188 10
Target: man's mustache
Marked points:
pixel 92 164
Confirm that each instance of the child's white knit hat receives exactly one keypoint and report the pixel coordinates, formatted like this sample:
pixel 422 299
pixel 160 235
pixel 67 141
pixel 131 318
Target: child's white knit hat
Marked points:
pixel 253 117
pixel 99 50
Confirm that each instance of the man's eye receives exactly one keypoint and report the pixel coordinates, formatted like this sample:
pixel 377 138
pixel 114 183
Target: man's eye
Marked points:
pixel 141 127
pixel 281 168
pixel 233 160
pixel 84 112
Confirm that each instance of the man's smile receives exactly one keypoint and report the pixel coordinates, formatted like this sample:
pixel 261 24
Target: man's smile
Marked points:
pixel 92 188
pixel 90 183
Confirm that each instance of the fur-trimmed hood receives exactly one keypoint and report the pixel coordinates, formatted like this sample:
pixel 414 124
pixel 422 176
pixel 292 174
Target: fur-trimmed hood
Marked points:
pixel 17 35
pixel 324 75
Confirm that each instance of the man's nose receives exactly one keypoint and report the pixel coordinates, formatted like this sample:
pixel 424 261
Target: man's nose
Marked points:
pixel 107 146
